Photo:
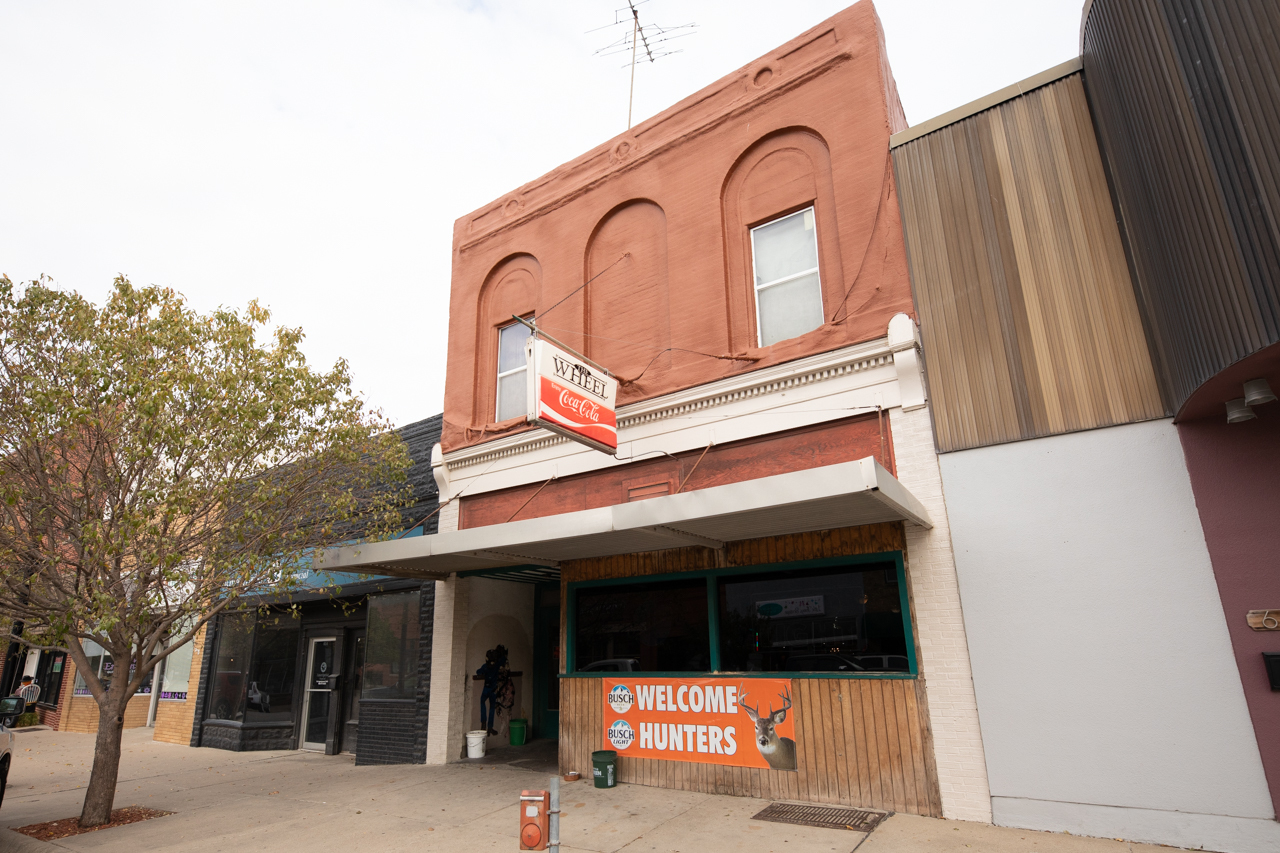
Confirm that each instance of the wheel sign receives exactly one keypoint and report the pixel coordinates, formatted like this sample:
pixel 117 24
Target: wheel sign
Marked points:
pixel 571 397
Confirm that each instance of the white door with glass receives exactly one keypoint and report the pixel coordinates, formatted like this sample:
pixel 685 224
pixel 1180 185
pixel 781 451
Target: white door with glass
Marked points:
pixel 319 702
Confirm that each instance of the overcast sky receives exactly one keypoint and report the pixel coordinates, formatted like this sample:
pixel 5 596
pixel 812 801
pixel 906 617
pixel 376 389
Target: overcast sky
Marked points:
pixel 314 155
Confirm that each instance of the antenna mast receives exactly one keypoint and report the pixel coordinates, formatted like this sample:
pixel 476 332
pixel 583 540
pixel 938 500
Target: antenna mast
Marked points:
pixel 652 36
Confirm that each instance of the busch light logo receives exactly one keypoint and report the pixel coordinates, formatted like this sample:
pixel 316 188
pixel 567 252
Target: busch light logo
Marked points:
pixel 621 699
pixel 621 734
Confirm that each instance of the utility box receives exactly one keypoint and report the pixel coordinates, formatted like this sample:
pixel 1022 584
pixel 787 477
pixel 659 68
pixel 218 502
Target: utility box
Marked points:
pixel 535 808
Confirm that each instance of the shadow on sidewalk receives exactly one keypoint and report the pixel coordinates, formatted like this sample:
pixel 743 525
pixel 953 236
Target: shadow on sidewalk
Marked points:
pixel 539 756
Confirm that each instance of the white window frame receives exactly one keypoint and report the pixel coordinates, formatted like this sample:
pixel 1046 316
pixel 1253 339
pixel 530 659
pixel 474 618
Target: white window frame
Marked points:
pixel 497 383
pixel 756 286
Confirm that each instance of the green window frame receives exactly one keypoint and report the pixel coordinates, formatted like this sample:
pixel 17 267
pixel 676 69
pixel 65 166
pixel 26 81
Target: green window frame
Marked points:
pixel 712 578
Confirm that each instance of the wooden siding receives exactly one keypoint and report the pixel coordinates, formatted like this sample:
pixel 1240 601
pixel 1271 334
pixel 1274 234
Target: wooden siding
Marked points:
pixel 861 742
pixel 1028 315
pixel 1187 102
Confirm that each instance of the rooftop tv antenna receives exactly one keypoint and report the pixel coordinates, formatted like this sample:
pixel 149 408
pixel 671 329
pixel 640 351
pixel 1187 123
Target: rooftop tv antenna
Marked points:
pixel 651 37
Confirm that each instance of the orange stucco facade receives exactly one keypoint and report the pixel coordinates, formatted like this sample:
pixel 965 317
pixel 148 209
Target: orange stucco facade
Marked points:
pixel 658 219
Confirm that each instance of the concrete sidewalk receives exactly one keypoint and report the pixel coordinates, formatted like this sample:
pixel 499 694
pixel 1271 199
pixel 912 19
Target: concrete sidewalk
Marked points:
pixel 296 801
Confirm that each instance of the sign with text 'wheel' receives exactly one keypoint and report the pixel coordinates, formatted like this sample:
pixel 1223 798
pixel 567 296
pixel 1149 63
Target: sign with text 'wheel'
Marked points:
pixel 734 722
pixel 571 397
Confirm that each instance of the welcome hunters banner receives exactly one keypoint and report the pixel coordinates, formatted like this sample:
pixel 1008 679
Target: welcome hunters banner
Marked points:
pixel 734 722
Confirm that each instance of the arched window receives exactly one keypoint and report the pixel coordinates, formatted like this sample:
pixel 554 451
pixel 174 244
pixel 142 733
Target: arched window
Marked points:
pixel 781 239
pixel 511 289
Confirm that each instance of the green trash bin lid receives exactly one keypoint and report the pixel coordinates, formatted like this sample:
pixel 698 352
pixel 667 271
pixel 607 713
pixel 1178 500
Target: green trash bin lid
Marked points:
pixel 604 755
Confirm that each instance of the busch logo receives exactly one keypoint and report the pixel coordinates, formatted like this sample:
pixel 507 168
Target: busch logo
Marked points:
pixel 621 734
pixel 621 699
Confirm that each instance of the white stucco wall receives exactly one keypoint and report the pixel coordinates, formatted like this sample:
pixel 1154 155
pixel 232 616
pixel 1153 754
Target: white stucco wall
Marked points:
pixel 500 612
pixel 1109 699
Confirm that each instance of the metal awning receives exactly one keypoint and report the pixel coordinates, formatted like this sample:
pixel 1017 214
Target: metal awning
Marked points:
pixel 844 495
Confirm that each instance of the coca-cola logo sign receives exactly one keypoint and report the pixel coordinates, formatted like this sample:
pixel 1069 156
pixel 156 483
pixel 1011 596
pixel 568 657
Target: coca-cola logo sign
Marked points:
pixel 573 397
pixel 579 405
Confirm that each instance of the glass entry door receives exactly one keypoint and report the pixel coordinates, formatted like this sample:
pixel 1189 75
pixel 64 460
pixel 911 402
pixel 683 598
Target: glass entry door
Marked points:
pixel 319 704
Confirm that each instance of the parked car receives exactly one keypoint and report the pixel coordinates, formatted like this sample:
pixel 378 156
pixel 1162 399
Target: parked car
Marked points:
pixel 821 663
pixel 613 665
pixel 886 663
pixel 11 708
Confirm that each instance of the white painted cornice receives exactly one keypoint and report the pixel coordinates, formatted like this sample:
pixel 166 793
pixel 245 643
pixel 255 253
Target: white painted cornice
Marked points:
pixel 766 382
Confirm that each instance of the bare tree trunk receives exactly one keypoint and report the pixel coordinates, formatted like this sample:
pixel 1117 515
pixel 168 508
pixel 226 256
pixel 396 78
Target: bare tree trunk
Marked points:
pixel 101 794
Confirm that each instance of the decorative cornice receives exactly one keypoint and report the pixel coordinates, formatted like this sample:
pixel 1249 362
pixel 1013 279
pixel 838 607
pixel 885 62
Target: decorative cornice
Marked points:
pixel 771 380
pixel 797 62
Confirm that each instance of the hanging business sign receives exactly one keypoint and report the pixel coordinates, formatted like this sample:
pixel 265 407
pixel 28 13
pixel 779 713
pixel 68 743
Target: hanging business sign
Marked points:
pixel 571 397
pixel 733 722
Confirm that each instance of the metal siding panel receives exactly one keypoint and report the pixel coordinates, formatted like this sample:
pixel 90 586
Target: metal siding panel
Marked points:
pixel 1186 97
pixel 1030 323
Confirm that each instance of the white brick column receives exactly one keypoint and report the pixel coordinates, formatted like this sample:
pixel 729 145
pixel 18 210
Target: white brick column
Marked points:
pixel 447 714
pixel 944 650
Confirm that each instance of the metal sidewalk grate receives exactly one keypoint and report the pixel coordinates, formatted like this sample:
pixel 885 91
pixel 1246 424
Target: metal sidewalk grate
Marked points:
pixel 825 817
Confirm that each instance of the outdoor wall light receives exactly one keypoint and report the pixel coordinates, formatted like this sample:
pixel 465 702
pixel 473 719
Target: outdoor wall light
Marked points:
pixel 1238 411
pixel 1257 392
pixel 1272 660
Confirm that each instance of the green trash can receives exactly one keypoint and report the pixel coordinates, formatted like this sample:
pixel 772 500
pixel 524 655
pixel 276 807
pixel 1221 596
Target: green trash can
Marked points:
pixel 604 766
pixel 519 728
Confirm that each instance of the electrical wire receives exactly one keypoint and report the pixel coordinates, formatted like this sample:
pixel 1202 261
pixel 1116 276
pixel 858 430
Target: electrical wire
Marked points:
pixel 884 180
pixel 537 317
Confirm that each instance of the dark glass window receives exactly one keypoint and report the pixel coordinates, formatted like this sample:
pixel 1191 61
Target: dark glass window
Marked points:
pixel 645 627
pixel 841 619
pixel 227 690
pixel 391 647
pixel 49 677
pixel 101 664
pixel 272 670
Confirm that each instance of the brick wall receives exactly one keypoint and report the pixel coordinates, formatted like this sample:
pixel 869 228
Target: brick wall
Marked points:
pixel 52 717
pixel 81 714
pixel 388 733
pixel 174 720
pixel 199 666
pixel 396 732
pixel 943 646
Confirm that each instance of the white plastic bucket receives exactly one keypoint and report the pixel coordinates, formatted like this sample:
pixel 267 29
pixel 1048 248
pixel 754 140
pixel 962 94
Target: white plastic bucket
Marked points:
pixel 476 741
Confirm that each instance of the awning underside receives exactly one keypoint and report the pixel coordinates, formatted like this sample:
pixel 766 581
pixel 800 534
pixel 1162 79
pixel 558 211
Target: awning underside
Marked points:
pixel 844 495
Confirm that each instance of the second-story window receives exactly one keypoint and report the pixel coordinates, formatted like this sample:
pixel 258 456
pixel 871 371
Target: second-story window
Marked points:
pixel 511 371
pixel 784 253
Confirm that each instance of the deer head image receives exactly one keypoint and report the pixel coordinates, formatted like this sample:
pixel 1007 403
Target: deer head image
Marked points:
pixel 780 752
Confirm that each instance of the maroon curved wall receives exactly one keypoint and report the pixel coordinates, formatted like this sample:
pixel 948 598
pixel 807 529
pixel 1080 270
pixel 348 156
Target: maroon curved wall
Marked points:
pixel 1235 474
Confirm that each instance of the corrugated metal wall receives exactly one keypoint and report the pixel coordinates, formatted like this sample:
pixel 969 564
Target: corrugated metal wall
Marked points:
pixel 1186 95
pixel 1029 319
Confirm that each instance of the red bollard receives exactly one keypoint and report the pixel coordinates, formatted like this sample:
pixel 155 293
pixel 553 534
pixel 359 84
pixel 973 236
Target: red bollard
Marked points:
pixel 534 808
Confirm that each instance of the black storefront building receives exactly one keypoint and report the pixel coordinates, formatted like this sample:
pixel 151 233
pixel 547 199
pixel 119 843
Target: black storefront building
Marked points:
pixel 342 666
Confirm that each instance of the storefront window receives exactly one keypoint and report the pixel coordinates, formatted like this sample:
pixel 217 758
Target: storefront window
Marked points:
pixel 391 648
pixel 101 664
pixel 95 654
pixel 227 692
pixel 842 619
pixel 49 677
pixel 644 627
pixel 177 671
pixel 270 693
